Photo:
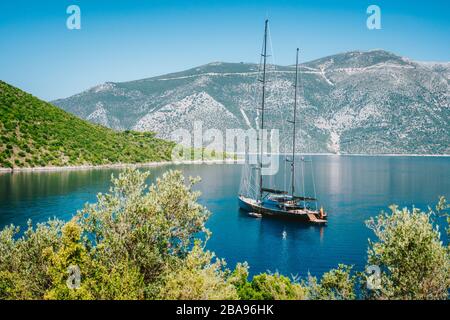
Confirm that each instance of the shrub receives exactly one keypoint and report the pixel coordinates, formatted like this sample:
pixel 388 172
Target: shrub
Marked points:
pixel 414 263
pixel 198 278
pixel 136 235
pixel 266 286
pixel 121 281
pixel 22 264
pixel 7 164
pixel 155 227
pixel 336 284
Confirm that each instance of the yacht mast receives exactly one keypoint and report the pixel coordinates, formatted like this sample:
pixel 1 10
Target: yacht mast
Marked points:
pixel 261 130
pixel 294 125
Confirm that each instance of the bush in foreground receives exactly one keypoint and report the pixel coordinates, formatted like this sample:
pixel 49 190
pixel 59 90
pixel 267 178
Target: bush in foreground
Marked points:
pixel 413 261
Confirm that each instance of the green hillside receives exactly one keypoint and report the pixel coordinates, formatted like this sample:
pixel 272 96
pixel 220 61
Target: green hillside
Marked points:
pixel 35 133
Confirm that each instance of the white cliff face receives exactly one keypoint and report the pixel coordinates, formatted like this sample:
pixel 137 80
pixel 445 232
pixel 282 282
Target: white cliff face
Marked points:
pixel 183 113
pixel 99 115
pixel 355 102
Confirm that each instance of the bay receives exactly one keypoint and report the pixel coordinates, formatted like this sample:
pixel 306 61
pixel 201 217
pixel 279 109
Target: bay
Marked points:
pixel 350 188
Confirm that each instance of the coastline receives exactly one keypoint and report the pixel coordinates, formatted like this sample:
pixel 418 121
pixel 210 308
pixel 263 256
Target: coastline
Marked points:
pixel 369 155
pixel 163 163
pixel 117 166
pixel 380 155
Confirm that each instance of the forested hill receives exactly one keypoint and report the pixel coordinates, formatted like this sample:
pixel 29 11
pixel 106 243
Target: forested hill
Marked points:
pixel 35 133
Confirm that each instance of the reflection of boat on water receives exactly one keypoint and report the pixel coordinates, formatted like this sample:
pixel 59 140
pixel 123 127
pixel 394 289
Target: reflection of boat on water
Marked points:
pixel 273 202
pixel 254 214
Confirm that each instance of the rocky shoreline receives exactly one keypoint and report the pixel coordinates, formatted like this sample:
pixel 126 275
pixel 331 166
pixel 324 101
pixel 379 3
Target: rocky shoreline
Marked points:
pixel 116 165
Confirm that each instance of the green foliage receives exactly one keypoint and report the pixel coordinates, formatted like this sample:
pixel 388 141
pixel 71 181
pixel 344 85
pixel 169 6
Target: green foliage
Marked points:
pixel 443 208
pixel 23 267
pixel 71 252
pixel 124 245
pixel 266 286
pixel 48 136
pixel 200 277
pixel 336 284
pixel 120 281
pixel 153 227
pixel 414 263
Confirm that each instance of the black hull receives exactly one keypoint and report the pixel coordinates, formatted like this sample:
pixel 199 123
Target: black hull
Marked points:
pixel 279 214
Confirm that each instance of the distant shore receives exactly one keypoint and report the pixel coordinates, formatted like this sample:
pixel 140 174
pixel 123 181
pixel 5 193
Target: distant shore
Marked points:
pixel 117 165
pixel 379 155
pixel 163 163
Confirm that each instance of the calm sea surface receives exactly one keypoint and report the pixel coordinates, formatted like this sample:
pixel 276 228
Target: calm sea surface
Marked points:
pixel 352 189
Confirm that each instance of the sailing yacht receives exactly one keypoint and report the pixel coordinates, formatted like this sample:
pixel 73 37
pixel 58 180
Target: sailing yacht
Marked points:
pixel 280 203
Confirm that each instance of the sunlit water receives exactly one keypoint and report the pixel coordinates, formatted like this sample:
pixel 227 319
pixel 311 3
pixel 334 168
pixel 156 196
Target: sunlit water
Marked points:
pixel 351 189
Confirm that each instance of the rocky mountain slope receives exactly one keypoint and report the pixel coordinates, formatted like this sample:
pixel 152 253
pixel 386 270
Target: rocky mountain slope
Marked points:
pixel 355 102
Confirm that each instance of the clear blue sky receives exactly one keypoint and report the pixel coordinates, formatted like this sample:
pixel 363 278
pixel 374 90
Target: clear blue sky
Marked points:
pixel 123 40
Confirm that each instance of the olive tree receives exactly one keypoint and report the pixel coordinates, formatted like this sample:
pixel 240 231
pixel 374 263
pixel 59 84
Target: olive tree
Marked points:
pixel 413 261
pixel 201 276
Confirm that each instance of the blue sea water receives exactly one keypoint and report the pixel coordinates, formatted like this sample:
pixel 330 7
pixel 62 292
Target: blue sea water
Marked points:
pixel 351 189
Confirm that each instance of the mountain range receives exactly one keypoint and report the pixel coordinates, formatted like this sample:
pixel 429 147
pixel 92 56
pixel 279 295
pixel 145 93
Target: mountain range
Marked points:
pixel 372 102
